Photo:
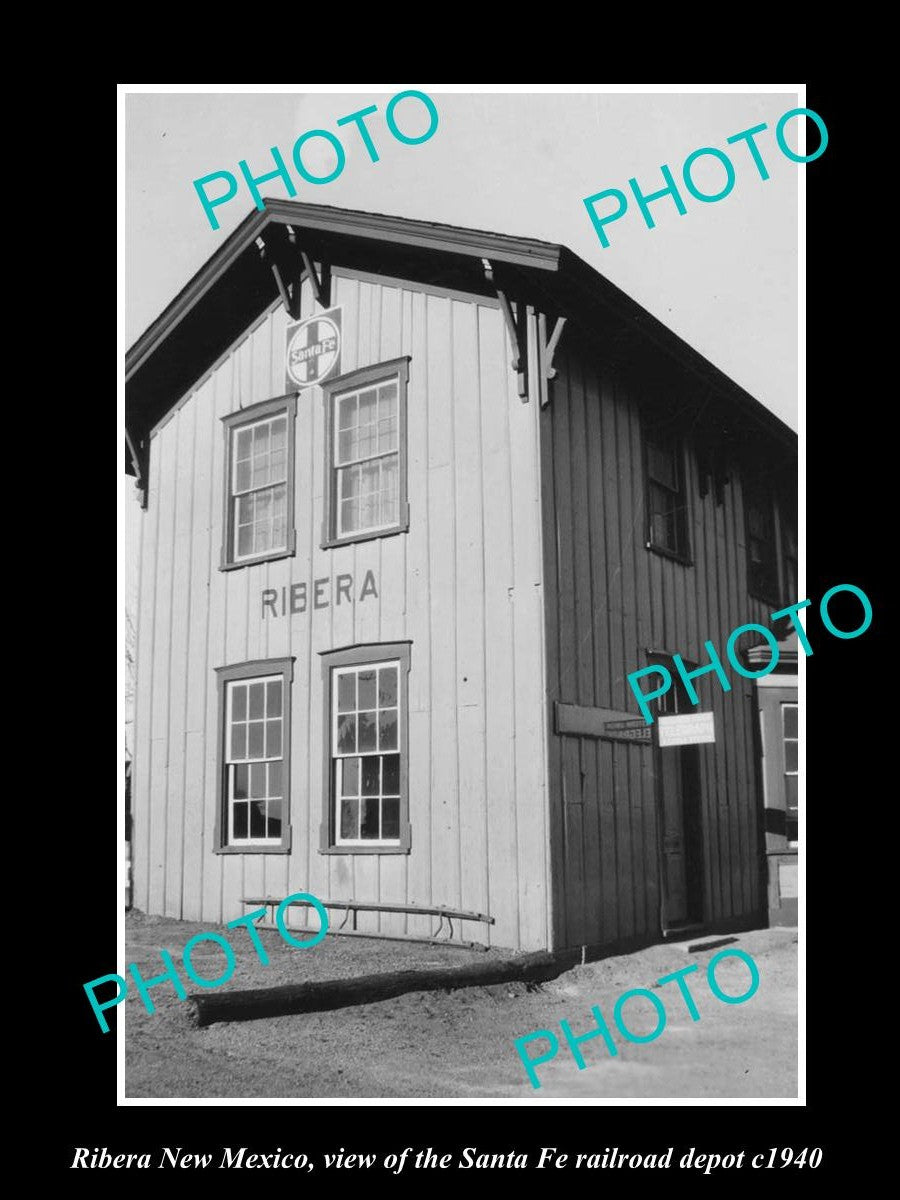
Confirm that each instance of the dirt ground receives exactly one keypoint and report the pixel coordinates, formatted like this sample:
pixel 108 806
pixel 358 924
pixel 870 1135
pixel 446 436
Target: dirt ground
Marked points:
pixel 460 1043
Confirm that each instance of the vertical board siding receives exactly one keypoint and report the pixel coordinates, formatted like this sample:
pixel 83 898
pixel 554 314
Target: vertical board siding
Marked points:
pixel 608 601
pixel 464 587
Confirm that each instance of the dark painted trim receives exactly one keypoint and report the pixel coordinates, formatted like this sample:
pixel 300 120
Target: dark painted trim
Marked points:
pixel 228 674
pixel 236 420
pixel 331 388
pixel 355 656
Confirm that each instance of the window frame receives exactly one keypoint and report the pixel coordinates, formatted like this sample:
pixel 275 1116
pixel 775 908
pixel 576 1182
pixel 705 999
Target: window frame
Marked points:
pixel 255 669
pixel 757 495
pixel 683 522
pixel 332 389
pixel 263 411
pixel 371 655
pixel 793 843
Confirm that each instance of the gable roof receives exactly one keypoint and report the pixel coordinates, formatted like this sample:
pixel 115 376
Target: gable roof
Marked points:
pixel 235 286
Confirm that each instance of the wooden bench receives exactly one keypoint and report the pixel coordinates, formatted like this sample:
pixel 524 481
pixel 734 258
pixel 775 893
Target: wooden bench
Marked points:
pixel 352 907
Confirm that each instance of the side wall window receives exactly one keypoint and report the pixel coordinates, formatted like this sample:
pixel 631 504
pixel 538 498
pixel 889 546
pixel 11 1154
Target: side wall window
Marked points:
pixel 666 498
pixel 254 757
pixel 259 483
pixel 365 783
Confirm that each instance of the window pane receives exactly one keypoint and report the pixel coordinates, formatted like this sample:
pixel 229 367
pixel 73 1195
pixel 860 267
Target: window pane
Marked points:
pixel 241 781
pixel 255 739
pixel 349 516
pixel 257 780
pixel 244 443
pixel 242 479
pixel 279 433
pixel 240 820
pixel 273 698
pixel 349 818
pixel 790 794
pixel 390 780
pixel 390 818
pixel 260 439
pixel 387 729
pixel 387 417
pixel 350 777
pixel 349 480
pixel 273 739
pixel 387 687
pixel 390 490
pixel 274 811
pixel 367 731
pixel 790 756
pixel 275 779
pixel 347 412
pixel 277 462
pixel 371 775
pixel 347 445
pixel 346 734
pixel 661 464
pixel 369 499
pixel 366 689
pixel 347 692
pixel 245 540
pixel 238 703
pixel 257 818
pixel 790 720
pixel 369 821
pixel 239 741
pixel 257 700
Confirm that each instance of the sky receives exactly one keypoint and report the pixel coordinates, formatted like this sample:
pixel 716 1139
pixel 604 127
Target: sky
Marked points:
pixel 723 275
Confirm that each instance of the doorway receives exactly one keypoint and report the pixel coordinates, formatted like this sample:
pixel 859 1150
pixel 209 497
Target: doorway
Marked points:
pixel 680 829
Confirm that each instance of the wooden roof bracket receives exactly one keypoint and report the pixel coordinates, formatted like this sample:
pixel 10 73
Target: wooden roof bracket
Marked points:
pixel 546 351
pixel 516 327
pixel 290 271
pixel 138 456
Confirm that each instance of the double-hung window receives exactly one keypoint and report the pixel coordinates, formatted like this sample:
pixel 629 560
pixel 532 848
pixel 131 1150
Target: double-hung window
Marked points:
pixel 259 483
pixel 367 756
pixel 762 556
pixel 254 706
pixel 365 421
pixel 666 497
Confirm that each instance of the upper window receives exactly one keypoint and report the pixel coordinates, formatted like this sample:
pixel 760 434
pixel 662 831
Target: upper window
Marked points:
pixel 366 764
pixel 255 756
pixel 762 552
pixel 790 735
pixel 366 453
pixel 259 483
pixel 666 498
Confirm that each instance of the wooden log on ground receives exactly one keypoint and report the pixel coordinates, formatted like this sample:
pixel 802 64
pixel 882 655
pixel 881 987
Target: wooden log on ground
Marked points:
pixel 321 995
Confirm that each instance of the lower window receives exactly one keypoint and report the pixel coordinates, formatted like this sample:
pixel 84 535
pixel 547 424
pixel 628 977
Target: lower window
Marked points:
pixel 790 737
pixel 254 706
pixel 366 767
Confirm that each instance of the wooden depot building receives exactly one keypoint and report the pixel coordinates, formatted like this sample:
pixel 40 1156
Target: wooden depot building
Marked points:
pixel 416 500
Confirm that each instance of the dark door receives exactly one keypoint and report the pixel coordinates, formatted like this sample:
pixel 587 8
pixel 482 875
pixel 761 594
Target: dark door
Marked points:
pixel 680 834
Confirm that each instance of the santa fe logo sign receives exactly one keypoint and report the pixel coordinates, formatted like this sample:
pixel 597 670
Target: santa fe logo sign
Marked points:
pixel 313 350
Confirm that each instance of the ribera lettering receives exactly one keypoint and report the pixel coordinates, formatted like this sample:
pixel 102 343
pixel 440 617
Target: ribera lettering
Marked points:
pixel 318 593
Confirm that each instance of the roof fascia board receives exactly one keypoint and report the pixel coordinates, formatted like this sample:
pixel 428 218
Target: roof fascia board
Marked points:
pixel 245 234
